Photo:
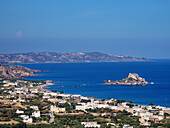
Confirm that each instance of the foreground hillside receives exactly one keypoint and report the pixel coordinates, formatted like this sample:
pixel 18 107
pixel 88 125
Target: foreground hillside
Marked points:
pixel 53 57
pixel 15 71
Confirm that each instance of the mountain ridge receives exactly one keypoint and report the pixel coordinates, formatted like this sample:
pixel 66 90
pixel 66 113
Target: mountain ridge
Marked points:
pixel 54 57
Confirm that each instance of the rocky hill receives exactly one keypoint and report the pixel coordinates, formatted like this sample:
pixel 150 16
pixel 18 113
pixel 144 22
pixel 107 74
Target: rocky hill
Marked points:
pixel 15 71
pixel 53 57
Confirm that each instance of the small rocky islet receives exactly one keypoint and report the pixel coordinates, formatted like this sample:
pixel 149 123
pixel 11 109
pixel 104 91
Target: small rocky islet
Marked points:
pixel 132 79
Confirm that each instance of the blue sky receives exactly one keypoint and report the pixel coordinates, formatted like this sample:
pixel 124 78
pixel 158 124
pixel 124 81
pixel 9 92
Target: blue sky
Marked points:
pixel 123 27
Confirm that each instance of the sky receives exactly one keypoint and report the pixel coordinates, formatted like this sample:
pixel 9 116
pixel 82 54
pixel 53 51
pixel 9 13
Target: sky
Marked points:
pixel 119 27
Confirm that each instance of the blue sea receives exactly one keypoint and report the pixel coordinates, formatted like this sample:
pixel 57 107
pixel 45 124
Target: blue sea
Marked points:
pixel 87 79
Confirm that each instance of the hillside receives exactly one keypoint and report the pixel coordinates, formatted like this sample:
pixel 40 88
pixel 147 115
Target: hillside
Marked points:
pixel 15 71
pixel 53 57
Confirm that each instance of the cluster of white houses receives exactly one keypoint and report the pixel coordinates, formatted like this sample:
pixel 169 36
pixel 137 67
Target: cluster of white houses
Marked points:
pixel 26 118
pixel 144 112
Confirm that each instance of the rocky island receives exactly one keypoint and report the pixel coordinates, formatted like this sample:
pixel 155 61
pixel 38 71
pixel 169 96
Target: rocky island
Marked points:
pixel 132 79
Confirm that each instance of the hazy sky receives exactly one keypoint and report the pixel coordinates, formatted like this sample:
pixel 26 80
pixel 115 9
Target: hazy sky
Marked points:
pixel 122 27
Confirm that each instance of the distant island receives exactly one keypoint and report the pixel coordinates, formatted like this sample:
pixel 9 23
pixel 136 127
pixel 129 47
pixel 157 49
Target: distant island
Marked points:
pixel 132 79
pixel 54 57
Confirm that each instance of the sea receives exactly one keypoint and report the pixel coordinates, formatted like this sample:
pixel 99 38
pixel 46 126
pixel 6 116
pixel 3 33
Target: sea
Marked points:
pixel 87 79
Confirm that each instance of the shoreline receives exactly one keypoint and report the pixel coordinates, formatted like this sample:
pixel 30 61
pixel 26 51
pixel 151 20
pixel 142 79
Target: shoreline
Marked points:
pixel 42 87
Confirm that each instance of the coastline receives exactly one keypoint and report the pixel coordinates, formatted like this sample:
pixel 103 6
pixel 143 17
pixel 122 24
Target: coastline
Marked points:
pixel 42 87
pixel 49 84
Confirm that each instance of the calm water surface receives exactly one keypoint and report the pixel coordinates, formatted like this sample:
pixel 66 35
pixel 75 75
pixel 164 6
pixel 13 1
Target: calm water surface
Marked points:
pixel 87 79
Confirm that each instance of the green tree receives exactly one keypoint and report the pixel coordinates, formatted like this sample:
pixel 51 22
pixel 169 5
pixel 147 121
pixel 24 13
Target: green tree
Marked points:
pixel 67 106
pixel 150 104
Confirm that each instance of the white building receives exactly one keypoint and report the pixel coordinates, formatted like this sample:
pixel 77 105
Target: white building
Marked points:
pixel 13 84
pixel 46 97
pixel 14 101
pixel 112 124
pixel 6 81
pixel 29 120
pixel 84 98
pixel 36 114
pixel 56 109
pixel 84 107
pixel 19 112
pixel 21 100
pixel 50 94
pixel 26 119
pixel 57 100
pixel 144 115
pixel 35 108
pixel 75 96
pixel 90 124
pixel 101 106
pixel 161 113
pixel 64 95
pixel 34 91
pixel 127 126
pixel 90 105
pixel 137 109
pixel 79 107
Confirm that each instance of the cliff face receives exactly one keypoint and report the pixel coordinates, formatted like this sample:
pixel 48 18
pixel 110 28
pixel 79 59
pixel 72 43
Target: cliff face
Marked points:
pixel 15 71
pixel 53 57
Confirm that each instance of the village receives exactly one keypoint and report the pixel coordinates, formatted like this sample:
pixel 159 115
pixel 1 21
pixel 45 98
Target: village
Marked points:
pixel 26 101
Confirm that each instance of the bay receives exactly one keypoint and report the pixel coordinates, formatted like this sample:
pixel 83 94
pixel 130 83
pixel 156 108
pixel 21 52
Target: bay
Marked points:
pixel 87 79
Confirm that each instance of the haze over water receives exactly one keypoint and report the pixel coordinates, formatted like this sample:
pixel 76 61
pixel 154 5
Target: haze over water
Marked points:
pixel 87 79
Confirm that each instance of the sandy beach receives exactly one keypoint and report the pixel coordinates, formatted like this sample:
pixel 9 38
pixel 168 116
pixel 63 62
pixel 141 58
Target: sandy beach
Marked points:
pixel 42 87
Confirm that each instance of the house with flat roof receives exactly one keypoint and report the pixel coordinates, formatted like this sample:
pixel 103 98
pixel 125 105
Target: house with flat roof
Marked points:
pixel 56 109
pixel 90 124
